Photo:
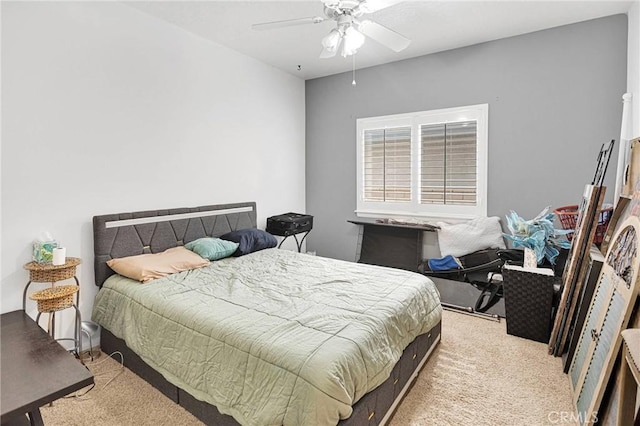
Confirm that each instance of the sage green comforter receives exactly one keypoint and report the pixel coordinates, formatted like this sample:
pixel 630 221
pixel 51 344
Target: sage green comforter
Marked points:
pixel 274 337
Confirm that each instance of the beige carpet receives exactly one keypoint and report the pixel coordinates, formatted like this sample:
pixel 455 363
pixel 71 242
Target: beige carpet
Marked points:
pixel 479 375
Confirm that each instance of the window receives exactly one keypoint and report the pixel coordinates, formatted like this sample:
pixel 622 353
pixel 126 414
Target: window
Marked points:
pixel 431 163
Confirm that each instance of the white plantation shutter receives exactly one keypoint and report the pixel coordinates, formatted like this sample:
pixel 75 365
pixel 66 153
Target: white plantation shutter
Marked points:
pixel 387 165
pixel 448 163
pixel 429 163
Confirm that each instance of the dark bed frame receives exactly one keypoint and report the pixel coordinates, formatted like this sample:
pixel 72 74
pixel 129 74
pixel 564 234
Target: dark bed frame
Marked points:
pixel 127 234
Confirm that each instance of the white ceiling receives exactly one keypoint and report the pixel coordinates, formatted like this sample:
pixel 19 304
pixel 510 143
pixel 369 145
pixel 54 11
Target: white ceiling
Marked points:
pixel 431 25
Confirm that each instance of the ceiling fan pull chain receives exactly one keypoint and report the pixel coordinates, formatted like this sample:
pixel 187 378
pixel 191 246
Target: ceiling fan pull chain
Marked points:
pixel 353 82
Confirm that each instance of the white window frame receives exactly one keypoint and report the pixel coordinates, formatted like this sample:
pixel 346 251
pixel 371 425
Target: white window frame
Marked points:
pixel 478 113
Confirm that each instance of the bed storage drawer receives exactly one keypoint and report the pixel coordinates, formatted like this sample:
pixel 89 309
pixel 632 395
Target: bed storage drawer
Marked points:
pixel 289 224
pixel 110 343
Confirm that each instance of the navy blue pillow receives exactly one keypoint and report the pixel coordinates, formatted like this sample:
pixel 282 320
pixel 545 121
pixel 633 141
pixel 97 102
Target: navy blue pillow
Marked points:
pixel 250 240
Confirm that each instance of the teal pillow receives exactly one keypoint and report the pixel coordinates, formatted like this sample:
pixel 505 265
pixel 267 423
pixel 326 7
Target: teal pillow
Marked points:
pixel 212 248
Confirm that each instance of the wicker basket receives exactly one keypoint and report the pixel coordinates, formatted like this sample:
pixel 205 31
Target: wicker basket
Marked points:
pixel 55 298
pixel 528 302
pixel 46 272
pixel 568 217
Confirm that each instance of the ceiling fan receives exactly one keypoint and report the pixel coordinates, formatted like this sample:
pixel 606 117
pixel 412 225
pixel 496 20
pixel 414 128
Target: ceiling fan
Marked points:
pixel 350 29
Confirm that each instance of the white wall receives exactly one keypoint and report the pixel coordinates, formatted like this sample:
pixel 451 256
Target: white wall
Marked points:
pixel 633 66
pixel 106 109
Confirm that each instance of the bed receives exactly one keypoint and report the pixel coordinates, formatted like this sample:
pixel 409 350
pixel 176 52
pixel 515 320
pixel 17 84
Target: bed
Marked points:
pixel 271 337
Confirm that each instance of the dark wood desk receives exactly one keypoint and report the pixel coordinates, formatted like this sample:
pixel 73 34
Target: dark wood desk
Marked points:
pixel 391 244
pixel 36 370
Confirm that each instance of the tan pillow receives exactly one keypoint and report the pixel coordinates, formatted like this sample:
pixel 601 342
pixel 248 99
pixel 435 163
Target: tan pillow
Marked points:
pixel 147 267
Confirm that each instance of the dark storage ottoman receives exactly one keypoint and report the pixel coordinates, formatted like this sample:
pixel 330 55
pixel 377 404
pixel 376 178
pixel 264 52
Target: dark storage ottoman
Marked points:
pixel 528 301
pixel 288 224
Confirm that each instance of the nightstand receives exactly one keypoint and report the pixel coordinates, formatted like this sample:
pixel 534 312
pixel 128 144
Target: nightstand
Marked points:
pixel 56 298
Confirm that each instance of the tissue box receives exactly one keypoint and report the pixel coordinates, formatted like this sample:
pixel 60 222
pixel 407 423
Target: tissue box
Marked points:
pixel 43 251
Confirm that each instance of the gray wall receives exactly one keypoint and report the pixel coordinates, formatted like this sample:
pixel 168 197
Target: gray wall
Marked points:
pixel 554 97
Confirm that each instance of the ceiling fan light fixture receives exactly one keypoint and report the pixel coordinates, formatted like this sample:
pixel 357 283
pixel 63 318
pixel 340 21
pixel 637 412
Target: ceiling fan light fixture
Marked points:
pixel 332 40
pixel 353 40
pixel 350 31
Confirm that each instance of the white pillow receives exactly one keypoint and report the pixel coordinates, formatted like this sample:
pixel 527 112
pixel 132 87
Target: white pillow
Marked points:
pixel 464 238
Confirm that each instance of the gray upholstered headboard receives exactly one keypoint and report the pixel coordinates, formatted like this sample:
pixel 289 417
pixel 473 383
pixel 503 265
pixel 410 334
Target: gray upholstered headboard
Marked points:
pixel 153 231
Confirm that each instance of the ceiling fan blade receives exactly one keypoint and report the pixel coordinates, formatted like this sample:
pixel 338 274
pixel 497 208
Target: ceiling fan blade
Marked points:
pixel 287 23
pixel 370 6
pixel 383 35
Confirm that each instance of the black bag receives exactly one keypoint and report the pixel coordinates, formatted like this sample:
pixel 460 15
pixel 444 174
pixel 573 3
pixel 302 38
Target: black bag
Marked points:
pixel 289 224
pixel 491 294
pixel 478 265
pixel 475 267
pixel 478 269
pixel 491 291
